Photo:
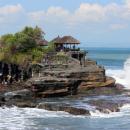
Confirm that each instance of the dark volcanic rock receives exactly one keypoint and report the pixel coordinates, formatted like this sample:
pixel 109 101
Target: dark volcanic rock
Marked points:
pixel 25 104
pixel 77 111
pixel 2 100
pixel 106 106
pixel 63 107
pixel 18 95
pixel 52 106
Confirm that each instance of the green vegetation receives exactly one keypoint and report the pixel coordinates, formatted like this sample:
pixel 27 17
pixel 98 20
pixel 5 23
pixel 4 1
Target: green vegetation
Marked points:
pixel 22 47
pixel 62 58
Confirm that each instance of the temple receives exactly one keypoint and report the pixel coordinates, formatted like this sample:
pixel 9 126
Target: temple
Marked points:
pixel 69 45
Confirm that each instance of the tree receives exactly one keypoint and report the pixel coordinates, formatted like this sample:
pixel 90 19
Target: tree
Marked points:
pixel 21 48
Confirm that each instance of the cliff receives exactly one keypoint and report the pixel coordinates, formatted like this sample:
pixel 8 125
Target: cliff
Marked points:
pixel 69 80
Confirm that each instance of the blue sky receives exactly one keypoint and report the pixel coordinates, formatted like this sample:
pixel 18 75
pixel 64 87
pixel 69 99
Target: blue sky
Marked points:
pixel 96 23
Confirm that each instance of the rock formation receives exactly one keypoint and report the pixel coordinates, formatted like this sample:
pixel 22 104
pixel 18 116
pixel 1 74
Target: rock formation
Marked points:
pixel 72 80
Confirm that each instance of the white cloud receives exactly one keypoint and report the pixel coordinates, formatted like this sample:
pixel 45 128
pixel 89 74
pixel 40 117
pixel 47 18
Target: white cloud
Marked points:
pixel 10 13
pixel 89 12
pixel 126 10
pixel 12 17
pixel 52 15
pixel 10 9
pixel 86 13
pixel 57 12
pixel 127 3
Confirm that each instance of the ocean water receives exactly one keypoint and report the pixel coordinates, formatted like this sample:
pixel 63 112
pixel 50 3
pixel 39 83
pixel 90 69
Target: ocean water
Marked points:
pixel 117 64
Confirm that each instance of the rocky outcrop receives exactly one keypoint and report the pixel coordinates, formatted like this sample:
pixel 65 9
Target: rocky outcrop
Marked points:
pixel 86 85
pixel 88 80
pixel 109 102
pixel 25 104
pixel 70 81
pixel 105 106
pixel 49 86
pixel 18 95
pixel 63 107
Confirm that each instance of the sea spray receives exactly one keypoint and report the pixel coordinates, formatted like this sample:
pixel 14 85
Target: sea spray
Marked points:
pixel 124 111
pixel 121 76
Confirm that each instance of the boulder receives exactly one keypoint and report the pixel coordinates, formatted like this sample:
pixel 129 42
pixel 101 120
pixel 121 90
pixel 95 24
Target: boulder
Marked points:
pixel 63 107
pixel 25 104
pixel 76 111
pixel 18 95
pixel 2 100
pixel 105 106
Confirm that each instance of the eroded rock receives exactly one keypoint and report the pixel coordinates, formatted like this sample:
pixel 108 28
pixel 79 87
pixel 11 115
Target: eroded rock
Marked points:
pixel 105 106
pixel 18 95
pixel 64 107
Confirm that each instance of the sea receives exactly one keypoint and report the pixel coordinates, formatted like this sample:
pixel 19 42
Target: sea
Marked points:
pixel 117 64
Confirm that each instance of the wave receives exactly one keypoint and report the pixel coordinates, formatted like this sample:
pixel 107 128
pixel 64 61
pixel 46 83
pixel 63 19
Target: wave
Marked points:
pixel 122 76
pixel 27 118
pixel 33 113
pixel 124 111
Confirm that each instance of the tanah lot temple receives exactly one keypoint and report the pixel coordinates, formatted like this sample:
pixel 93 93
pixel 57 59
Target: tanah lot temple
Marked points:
pixel 67 71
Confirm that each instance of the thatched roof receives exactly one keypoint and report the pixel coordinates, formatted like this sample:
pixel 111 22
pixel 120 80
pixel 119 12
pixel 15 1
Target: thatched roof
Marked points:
pixel 67 40
pixel 42 42
pixel 56 39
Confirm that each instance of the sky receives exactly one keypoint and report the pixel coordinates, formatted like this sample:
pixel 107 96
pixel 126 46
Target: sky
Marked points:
pixel 96 23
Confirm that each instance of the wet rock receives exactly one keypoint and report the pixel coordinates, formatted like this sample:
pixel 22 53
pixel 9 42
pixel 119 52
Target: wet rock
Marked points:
pixel 18 95
pixel 2 100
pixel 51 106
pixel 119 86
pixel 77 111
pixel 25 104
pixel 105 106
pixel 58 107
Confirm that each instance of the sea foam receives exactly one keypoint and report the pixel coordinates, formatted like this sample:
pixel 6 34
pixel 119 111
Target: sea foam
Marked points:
pixel 122 76
pixel 124 111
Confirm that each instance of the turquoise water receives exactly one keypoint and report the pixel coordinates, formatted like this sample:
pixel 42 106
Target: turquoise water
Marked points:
pixel 35 119
pixel 109 57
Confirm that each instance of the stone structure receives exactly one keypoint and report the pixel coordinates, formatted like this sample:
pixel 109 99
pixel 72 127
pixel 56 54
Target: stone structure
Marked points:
pixel 68 44
pixel 67 71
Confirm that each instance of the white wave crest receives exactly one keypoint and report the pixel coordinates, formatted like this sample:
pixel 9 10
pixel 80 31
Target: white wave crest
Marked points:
pixel 124 111
pixel 98 114
pixel 25 118
pixel 121 76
